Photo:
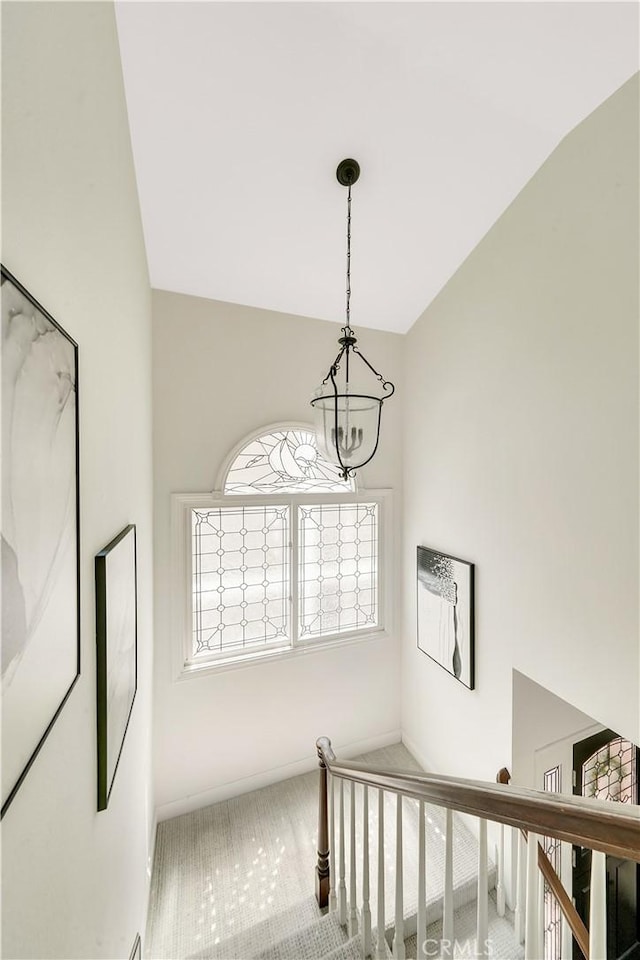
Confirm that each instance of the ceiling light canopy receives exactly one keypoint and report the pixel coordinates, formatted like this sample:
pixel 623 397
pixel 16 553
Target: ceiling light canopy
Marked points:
pixel 347 406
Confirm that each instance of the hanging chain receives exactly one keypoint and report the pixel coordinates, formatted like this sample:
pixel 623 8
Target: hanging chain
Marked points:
pixel 347 434
pixel 348 327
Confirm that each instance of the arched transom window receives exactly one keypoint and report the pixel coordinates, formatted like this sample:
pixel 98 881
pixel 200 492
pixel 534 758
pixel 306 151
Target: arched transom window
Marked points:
pixel 285 461
pixel 287 555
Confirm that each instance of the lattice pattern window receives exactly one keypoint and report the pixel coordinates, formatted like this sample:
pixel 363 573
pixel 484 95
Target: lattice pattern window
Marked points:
pixel 286 461
pixel 552 911
pixel 286 555
pixel 338 566
pixel 243 582
pixel 611 772
pixel 240 578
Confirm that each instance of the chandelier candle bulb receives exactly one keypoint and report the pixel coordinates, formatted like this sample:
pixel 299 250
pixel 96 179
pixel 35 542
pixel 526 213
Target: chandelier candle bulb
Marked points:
pixel 347 421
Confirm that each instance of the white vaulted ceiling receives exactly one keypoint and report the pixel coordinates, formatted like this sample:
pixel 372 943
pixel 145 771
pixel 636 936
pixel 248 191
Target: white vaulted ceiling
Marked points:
pixel 240 112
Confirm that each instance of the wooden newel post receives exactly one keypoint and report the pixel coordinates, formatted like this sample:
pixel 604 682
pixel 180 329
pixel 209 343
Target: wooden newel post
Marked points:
pixel 322 869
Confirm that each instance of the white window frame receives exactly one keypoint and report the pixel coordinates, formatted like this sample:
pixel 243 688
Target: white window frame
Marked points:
pixel 182 505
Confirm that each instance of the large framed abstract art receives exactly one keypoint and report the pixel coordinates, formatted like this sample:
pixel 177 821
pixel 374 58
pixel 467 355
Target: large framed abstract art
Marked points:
pixel 40 529
pixel 136 950
pixel 117 652
pixel 445 613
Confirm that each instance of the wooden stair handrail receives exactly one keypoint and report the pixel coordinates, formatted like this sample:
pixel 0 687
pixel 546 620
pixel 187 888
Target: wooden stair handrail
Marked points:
pixel 598 824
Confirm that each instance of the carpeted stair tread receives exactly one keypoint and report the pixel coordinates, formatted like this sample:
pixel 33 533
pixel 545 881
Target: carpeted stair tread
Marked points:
pixel 351 950
pixel 502 938
pixel 251 941
pixel 317 940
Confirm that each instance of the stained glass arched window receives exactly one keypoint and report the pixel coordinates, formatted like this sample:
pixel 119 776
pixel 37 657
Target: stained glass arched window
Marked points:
pixel 611 772
pixel 283 461
pixel 284 554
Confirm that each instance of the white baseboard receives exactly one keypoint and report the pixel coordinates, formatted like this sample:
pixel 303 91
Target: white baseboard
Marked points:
pixel 350 750
pixel 235 788
pixel 151 847
pixel 152 844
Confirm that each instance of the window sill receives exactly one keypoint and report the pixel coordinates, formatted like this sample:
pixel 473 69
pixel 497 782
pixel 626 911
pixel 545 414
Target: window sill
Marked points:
pixel 191 669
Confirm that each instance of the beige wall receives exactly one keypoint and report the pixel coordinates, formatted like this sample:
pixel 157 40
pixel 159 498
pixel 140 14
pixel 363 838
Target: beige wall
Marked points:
pixel 75 881
pixel 539 720
pixel 521 451
pixel 220 372
pixel 519 404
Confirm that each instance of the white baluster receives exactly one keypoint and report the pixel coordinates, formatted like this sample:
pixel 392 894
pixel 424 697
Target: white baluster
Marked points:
pixel 541 929
pixel 598 907
pixel 566 861
pixel 381 952
pixel 353 897
pixel 421 932
pixel 482 936
pixel 447 903
pixel 531 927
pixel 342 889
pixel 333 900
pixel 500 894
pixel 366 911
pixel 521 886
pixel 398 937
pixel 566 948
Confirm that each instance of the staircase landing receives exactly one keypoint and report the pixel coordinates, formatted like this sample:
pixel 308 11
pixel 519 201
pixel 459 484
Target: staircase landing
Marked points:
pixel 234 879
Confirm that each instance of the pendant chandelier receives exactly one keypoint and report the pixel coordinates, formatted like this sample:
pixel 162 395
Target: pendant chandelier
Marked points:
pixel 347 411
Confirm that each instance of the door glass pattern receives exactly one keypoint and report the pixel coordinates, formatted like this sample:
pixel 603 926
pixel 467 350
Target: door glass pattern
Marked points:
pixel 338 568
pixel 552 911
pixel 240 572
pixel 286 461
pixel 611 772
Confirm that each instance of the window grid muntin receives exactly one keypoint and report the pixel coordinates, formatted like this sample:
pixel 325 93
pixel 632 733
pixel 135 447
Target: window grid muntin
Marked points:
pixel 269 587
pixel 320 611
pixel 204 502
pixel 186 665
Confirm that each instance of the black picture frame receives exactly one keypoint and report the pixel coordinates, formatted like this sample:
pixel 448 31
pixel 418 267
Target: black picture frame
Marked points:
pixel 117 652
pixel 41 531
pixel 445 588
pixel 136 950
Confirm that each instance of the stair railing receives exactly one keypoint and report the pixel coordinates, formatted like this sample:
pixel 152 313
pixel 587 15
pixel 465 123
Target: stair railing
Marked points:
pixel 604 827
pixel 571 915
pixel 572 919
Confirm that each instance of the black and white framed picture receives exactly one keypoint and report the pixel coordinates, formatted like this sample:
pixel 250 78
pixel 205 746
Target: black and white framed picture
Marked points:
pixel 117 652
pixel 40 529
pixel 136 950
pixel 445 613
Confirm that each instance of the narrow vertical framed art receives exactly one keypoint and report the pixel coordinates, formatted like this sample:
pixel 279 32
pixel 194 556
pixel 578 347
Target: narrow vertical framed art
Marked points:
pixel 117 653
pixel 446 627
pixel 40 529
